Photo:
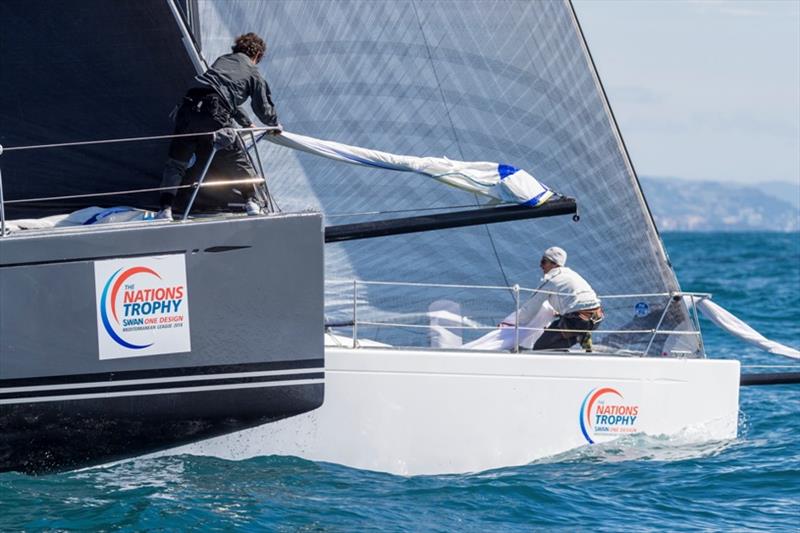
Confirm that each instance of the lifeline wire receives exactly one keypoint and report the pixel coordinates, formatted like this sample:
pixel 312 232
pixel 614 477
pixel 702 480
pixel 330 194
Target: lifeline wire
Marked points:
pixel 136 191
pixel 123 139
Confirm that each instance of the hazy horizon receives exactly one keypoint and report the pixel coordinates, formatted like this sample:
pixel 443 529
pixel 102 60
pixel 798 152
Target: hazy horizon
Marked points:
pixel 706 90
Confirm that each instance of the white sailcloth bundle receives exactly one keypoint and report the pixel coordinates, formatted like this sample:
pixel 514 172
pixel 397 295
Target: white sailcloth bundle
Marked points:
pixel 446 323
pixel 725 320
pixel 503 183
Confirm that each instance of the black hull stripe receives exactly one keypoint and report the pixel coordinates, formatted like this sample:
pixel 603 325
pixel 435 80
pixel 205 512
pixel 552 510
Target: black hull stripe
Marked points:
pixel 164 373
pixel 89 258
pixel 287 374
pixel 141 386
pixel 161 391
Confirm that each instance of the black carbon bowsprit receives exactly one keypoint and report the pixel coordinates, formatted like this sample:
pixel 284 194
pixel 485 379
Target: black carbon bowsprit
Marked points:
pixel 770 378
pixel 455 219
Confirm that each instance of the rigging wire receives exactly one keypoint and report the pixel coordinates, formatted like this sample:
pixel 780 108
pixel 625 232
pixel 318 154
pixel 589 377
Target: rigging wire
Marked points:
pixel 101 141
pixel 455 133
pixel 224 183
pixel 125 139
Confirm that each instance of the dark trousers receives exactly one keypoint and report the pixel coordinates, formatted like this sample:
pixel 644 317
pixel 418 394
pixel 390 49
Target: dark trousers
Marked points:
pixel 202 111
pixel 554 340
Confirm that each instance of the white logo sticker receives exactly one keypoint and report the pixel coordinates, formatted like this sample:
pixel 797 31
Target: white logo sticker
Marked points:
pixel 142 306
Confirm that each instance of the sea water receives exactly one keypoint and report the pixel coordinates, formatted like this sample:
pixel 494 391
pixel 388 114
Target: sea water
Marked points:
pixel 637 483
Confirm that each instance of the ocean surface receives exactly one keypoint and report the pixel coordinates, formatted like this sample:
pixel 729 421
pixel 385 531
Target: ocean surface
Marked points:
pixel 640 483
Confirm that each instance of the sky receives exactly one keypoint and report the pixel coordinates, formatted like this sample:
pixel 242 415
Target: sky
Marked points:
pixel 702 89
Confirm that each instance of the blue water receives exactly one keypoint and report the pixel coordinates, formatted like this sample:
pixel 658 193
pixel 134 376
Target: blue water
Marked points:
pixel 751 483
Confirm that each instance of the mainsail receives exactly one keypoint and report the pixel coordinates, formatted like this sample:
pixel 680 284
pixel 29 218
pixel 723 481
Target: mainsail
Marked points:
pixel 98 70
pixel 470 80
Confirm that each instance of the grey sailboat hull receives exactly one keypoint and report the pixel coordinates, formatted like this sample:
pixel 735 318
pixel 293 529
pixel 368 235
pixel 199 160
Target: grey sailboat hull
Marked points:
pixel 253 323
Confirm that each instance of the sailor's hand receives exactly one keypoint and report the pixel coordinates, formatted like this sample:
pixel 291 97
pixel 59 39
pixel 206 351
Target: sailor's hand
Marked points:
pixel 278 129
pixel 505 325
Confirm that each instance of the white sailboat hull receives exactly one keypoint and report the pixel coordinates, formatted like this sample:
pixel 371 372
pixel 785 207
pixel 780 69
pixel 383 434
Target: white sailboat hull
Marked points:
pixel 433 412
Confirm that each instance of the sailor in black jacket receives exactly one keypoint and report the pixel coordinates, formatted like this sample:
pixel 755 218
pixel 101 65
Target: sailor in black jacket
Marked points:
pixel 213 102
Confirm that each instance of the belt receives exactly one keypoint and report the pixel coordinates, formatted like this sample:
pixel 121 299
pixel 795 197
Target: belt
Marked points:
pixel 594 315
pixel 198 93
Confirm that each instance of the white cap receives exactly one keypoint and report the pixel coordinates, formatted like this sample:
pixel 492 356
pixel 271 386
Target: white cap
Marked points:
pixel 556 255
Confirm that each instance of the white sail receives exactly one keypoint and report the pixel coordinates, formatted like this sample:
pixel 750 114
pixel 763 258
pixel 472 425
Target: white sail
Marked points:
pixel 472 81
pixel 502 183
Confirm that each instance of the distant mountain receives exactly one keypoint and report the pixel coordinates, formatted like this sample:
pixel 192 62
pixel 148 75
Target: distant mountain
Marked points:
pixel 788 192
pixel 685 205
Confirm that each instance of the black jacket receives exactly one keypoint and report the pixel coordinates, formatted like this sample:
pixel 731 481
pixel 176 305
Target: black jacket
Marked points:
pixel 236 78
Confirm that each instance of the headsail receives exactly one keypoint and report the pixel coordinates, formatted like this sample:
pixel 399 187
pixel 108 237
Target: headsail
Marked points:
pixel 470 80
pixel 502 183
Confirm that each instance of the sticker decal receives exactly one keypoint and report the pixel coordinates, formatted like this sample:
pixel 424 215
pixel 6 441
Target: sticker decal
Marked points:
pixel 641 309
pixel 142 306
pixel 604 414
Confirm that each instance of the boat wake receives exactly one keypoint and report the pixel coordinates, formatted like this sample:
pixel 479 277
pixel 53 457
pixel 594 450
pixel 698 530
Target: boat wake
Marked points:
pixel 643 448
pixel 689 444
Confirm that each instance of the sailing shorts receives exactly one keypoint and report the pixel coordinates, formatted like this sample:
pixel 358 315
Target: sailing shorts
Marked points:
pixel 583 321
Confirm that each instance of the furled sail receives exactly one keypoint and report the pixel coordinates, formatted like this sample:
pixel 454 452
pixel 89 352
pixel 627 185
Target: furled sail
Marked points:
pixel 473 81
pixel 737 327
pixel 502 183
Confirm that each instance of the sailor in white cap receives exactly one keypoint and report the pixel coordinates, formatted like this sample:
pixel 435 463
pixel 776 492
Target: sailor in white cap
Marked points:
pixel 575 303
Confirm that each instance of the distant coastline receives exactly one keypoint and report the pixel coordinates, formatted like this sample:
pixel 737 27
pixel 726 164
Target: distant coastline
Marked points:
pixel 708 206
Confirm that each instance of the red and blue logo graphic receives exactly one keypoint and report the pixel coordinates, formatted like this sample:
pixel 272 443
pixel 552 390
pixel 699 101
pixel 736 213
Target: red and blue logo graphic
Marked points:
pixel 140 309
pixel 604 412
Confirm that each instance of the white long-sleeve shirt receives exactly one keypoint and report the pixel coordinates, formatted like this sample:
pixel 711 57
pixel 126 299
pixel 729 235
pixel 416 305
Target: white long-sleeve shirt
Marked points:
pixel 573 294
